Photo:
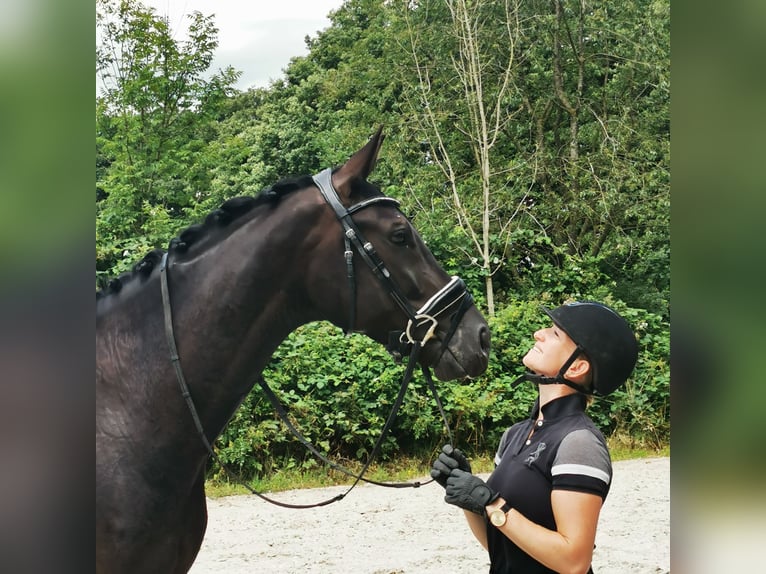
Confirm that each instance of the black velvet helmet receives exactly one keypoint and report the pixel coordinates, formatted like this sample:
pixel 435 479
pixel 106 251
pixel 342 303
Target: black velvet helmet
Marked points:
pixel 605 338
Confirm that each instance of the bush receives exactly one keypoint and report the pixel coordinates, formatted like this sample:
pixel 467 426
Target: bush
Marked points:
pixel 339 391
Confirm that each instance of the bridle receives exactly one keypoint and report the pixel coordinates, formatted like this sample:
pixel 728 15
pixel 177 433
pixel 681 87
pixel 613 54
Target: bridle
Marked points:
pixel 454 295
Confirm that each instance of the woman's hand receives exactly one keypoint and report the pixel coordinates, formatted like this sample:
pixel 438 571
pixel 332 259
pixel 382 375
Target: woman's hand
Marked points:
pixel 449 459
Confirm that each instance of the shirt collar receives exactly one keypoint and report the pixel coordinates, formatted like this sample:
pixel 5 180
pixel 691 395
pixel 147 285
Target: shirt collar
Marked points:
pixel 560 407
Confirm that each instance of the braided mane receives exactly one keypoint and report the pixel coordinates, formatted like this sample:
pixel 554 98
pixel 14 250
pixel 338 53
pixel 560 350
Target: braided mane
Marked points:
pixel 231 210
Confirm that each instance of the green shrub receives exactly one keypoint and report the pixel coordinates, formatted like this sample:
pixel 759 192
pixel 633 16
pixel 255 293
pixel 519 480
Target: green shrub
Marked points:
pixel 339 391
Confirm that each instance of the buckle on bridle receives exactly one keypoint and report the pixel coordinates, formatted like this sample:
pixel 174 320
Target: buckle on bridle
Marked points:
pixel 423 319
pixel 454 292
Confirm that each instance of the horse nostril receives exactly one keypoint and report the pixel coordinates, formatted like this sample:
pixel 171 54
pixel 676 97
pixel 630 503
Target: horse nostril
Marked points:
pixel 484 339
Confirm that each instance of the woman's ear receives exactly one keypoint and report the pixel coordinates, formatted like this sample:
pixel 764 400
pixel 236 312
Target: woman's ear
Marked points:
pixel 578 369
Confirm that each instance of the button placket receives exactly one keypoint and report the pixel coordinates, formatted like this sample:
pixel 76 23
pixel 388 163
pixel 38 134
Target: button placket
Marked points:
pixel 538 424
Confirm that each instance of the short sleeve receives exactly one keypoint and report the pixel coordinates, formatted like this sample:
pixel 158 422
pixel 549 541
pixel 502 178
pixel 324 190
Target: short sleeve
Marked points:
pixel 582 464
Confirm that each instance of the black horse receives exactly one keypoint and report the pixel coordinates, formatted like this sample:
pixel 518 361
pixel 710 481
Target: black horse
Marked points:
pixel 231 290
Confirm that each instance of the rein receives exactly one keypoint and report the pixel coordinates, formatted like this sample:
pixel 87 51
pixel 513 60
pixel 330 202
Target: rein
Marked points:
pixel 280 409
pixel 193 410
pixel 451 295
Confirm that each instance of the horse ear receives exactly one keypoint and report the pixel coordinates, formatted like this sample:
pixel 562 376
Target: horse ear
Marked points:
pixel 359 165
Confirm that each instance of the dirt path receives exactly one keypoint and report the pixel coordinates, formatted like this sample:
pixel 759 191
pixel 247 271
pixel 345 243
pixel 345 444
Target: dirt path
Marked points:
pixel 378 530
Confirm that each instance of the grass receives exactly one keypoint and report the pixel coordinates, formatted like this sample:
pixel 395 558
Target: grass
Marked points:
pixel 623 447
pixel 401 470
pixel 406 469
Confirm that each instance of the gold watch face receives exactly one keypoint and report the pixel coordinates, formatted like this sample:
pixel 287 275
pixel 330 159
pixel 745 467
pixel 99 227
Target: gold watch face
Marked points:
pixel 497 517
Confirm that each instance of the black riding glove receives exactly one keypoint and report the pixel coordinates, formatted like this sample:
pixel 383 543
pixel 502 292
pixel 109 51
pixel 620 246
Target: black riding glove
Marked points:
pixel 449 459
pixel 469 492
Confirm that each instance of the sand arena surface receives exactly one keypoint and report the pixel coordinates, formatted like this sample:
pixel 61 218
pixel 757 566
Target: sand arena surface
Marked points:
pixel 377 530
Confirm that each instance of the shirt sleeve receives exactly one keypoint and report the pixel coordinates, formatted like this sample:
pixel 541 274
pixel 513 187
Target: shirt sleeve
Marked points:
pixel 582 464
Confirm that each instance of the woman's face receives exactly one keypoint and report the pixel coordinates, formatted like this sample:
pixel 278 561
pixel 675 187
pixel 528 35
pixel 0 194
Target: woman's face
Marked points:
pixel 551 350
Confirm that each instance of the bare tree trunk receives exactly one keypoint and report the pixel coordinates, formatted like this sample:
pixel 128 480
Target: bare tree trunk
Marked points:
pixel 563 34
pixel 487 117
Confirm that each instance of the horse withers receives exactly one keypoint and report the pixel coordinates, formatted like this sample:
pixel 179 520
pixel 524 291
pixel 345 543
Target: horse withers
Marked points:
pixel 331 247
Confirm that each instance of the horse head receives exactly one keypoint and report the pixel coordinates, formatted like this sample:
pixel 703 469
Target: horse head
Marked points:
pixel 396 292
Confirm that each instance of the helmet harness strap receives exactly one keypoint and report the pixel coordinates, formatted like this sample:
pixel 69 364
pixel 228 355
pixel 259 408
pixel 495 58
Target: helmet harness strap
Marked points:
pixel 559 379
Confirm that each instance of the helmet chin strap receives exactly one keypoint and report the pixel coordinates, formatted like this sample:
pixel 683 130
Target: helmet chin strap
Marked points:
pixel 559 379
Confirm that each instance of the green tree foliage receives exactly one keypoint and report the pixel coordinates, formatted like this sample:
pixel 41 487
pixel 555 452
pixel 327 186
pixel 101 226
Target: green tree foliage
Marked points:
pixel 602 196
pixel 579 171
pixel 154 120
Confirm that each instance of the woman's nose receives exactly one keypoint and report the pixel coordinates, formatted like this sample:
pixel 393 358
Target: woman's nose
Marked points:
pixel 539 334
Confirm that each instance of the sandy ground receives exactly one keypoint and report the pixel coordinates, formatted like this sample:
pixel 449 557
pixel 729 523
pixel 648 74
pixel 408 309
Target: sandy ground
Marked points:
pixel 377 530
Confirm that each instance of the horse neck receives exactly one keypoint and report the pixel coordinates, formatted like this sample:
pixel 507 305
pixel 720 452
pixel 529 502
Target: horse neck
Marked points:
pixel 234 303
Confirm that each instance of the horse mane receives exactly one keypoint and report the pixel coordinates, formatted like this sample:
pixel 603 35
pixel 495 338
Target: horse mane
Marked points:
pixel 231 210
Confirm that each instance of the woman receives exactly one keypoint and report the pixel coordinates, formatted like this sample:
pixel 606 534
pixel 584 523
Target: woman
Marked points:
pixel 539 508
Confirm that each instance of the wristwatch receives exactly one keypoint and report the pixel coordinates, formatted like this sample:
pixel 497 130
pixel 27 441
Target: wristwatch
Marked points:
pixel 500 515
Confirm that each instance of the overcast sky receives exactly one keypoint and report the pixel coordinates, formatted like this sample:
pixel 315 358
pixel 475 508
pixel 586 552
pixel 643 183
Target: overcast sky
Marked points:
pixel 256 37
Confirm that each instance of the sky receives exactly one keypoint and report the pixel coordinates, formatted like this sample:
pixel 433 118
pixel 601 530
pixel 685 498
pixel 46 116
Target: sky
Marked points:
pixel 256 37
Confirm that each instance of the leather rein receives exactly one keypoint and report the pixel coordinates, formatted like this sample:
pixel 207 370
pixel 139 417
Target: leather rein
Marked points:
pixel 452 295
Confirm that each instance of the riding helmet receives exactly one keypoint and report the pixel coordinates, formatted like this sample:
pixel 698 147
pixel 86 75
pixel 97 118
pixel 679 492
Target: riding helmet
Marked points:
pixel 604 336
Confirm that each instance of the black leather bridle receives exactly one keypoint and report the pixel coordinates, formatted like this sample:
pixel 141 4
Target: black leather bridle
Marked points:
pixel 453 295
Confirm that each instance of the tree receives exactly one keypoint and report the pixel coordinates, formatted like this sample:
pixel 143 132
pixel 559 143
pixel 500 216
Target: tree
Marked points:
pixel 154 119
pixel 548 125
pixel 595 88
pixel 464 61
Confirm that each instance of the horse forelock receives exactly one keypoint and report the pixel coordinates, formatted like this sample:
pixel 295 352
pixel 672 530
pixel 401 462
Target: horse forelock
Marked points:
pixel 230 211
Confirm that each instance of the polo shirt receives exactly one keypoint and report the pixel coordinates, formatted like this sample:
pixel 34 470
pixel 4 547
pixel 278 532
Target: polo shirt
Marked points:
pixel 566 451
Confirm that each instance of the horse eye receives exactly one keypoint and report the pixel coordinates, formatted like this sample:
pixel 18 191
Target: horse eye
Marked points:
pixel 399 237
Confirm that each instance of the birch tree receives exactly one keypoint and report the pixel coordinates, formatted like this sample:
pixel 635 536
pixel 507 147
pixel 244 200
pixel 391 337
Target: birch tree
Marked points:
pixel 476 105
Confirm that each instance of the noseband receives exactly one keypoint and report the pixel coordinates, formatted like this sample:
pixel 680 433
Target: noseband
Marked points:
pixel 424 319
